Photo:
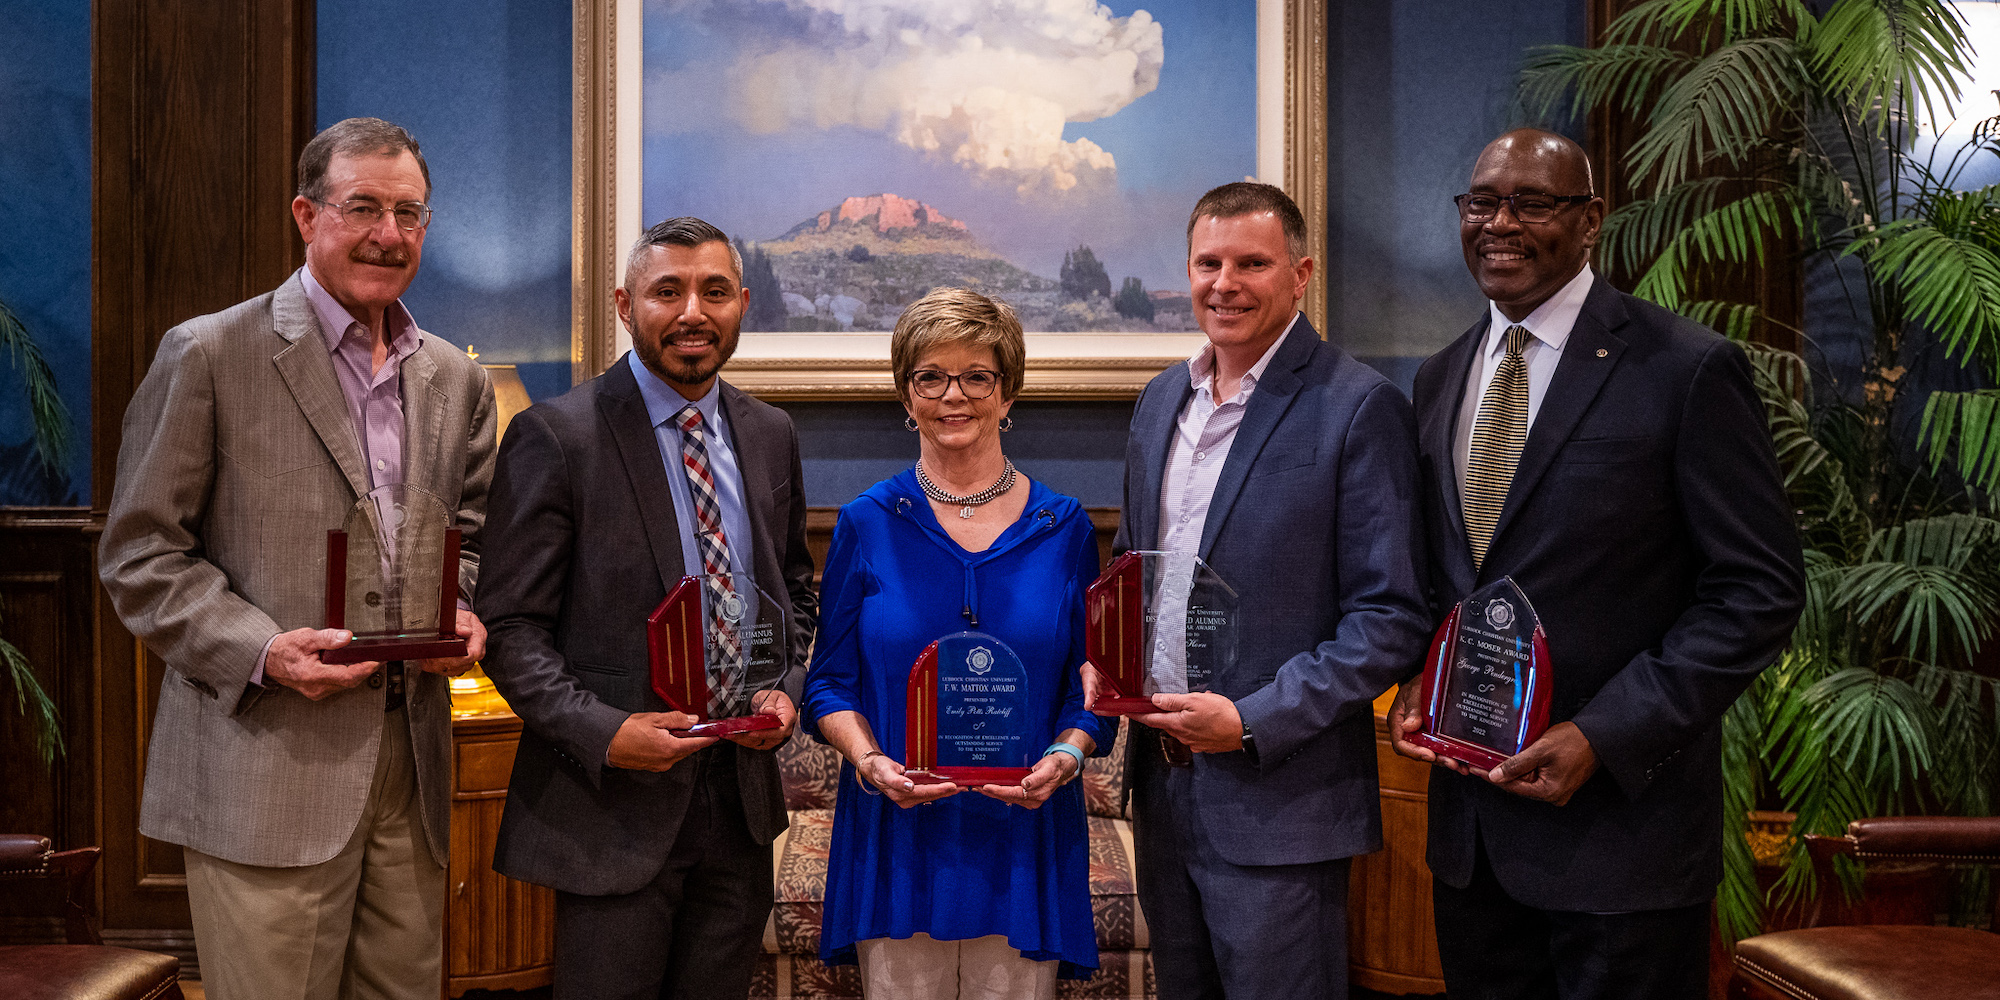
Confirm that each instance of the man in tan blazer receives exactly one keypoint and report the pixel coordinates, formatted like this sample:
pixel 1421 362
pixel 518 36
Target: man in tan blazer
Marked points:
pixel 311 799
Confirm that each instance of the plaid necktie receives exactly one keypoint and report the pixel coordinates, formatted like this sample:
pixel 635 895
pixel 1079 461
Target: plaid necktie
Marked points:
pixel 725 665
pixel 1498 435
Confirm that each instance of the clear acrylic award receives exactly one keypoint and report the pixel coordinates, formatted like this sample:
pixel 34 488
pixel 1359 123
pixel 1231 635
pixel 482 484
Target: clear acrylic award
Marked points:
pixel 968 720
pixel 717 645
pixel 1487 682
pixel 1157 623
pixel 392 578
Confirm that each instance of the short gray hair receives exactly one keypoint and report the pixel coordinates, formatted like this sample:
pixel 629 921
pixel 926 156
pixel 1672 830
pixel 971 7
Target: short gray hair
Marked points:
pixel 354 137
pixel 685 231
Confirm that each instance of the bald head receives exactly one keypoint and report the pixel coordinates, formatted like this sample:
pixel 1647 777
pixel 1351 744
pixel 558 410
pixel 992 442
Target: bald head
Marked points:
pixel 1560 152
pixel 1520 265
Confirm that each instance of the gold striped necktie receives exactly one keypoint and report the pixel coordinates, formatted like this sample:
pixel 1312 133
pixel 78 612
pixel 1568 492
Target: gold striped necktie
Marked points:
pixel 1498 435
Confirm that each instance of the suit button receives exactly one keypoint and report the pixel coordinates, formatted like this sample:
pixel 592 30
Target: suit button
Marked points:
pixel 375 679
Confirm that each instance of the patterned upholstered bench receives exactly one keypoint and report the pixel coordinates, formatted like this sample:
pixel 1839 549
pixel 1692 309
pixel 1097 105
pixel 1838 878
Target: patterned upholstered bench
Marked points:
pixel 791 965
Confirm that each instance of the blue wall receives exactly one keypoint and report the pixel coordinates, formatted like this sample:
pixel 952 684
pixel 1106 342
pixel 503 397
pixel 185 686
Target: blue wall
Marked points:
pixel 484 85
pixel 1417 88
pixel 45 232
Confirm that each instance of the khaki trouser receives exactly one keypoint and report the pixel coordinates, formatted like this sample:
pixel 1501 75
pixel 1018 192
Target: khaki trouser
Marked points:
pixel 921 968
pixel 368 924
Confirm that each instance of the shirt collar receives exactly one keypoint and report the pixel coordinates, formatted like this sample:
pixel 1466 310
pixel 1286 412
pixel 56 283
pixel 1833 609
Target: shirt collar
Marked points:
pixel 664 402
pixel 1551 321
pixel 334 319
pixel 1201 367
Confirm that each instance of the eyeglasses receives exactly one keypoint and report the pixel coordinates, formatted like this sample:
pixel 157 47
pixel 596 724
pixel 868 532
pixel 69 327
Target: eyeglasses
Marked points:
pixel 933 384
pixel 365 215
pixel 1530 208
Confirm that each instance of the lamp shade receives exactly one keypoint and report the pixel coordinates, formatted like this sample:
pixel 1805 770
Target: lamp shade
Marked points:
pixel 509 395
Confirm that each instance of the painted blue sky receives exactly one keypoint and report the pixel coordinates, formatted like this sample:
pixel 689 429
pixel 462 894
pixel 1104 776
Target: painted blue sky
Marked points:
pixel 761 113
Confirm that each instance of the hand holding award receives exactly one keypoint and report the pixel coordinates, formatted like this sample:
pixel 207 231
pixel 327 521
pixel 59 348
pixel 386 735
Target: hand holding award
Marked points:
pixel 718 651
pixel 1486 684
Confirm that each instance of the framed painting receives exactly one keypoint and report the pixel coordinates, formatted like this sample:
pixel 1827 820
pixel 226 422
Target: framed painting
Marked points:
pixel 861 152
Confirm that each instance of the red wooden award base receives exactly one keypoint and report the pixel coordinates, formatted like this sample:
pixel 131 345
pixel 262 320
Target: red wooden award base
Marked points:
pixel 1114 634
pixel 445 642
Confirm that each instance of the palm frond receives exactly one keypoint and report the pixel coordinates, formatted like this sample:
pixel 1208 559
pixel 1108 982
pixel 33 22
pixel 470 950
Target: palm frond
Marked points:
pixel 1963 429
pixel 1626 77
pixel 33 704
pixel 1738 904
pixel 1904 57
pixel 1950 284
pixel 1738 18
pixel 1875 725
pixel 45 406
pixel 1932 606
pixel 1719 110
pixel 1735 320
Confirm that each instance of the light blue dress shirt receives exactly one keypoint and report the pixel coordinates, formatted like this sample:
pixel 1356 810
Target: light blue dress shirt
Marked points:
pixel 663 407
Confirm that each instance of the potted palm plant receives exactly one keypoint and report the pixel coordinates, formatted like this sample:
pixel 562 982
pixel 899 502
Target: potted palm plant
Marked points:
pixel 1771 126
pixel 51 444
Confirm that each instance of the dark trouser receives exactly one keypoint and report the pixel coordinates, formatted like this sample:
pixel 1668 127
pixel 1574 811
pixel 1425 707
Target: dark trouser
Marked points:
pixel 692 934
pixel 1495 948
pixel 1240 931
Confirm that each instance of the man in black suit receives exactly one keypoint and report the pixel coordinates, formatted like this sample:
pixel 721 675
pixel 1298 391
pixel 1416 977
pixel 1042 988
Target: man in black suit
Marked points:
pixel 1613 459
pixel 658 847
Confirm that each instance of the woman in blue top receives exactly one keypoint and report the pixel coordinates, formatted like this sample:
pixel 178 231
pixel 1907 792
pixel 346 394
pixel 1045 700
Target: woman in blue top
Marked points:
pixel 932 891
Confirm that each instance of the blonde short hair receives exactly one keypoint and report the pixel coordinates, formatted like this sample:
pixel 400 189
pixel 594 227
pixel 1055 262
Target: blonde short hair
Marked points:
pixel 958 316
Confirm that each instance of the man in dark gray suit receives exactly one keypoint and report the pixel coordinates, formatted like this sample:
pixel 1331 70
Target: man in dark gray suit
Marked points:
pixel 658 847
pixel 1612 458
pixel 1291 469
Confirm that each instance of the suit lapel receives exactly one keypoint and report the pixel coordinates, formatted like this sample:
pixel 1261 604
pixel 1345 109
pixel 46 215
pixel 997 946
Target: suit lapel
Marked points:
pixel 1440 432
pixel 631 431
pixel 307 369
pixel 423 421
pixel 1153 427
pixel 1588 356
pixel 1273 396
pixel 756 476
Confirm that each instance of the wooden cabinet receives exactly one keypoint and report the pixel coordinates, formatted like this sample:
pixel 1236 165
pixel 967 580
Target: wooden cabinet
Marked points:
pixel 1391 936
pixel 499 934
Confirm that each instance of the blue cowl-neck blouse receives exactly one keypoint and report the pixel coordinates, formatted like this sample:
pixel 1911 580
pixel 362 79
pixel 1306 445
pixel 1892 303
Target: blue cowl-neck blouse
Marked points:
pixel 967 866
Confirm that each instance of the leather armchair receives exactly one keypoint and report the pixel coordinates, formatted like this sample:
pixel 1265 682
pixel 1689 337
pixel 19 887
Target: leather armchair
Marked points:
pixel 1888 949
pixel 85 968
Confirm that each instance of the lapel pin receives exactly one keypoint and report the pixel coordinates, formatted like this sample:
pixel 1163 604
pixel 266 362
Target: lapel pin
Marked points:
pixel 1602 353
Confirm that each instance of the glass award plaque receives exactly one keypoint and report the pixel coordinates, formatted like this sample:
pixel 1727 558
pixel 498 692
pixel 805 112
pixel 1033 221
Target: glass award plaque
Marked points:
pixel 392 578
pixel 1157 623
pixel 1487 681
pixel 717 643
pixel 968 720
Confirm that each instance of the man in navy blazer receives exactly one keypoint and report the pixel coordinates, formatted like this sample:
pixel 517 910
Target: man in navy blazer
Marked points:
pixel 1290 468
pixel 1646 523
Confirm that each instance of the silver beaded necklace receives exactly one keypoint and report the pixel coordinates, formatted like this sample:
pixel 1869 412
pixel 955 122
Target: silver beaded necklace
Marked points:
pixel 970 500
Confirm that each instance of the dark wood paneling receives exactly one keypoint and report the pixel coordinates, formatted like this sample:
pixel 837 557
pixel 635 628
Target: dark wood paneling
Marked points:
pixel 47 586
pixel 199 110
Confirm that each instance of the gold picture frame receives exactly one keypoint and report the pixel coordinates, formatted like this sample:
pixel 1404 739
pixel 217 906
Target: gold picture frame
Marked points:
pixel 1291 141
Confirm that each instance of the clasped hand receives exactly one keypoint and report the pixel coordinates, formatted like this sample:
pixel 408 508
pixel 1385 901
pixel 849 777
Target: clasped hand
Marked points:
pixel 1048 774
pixel 1550 769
